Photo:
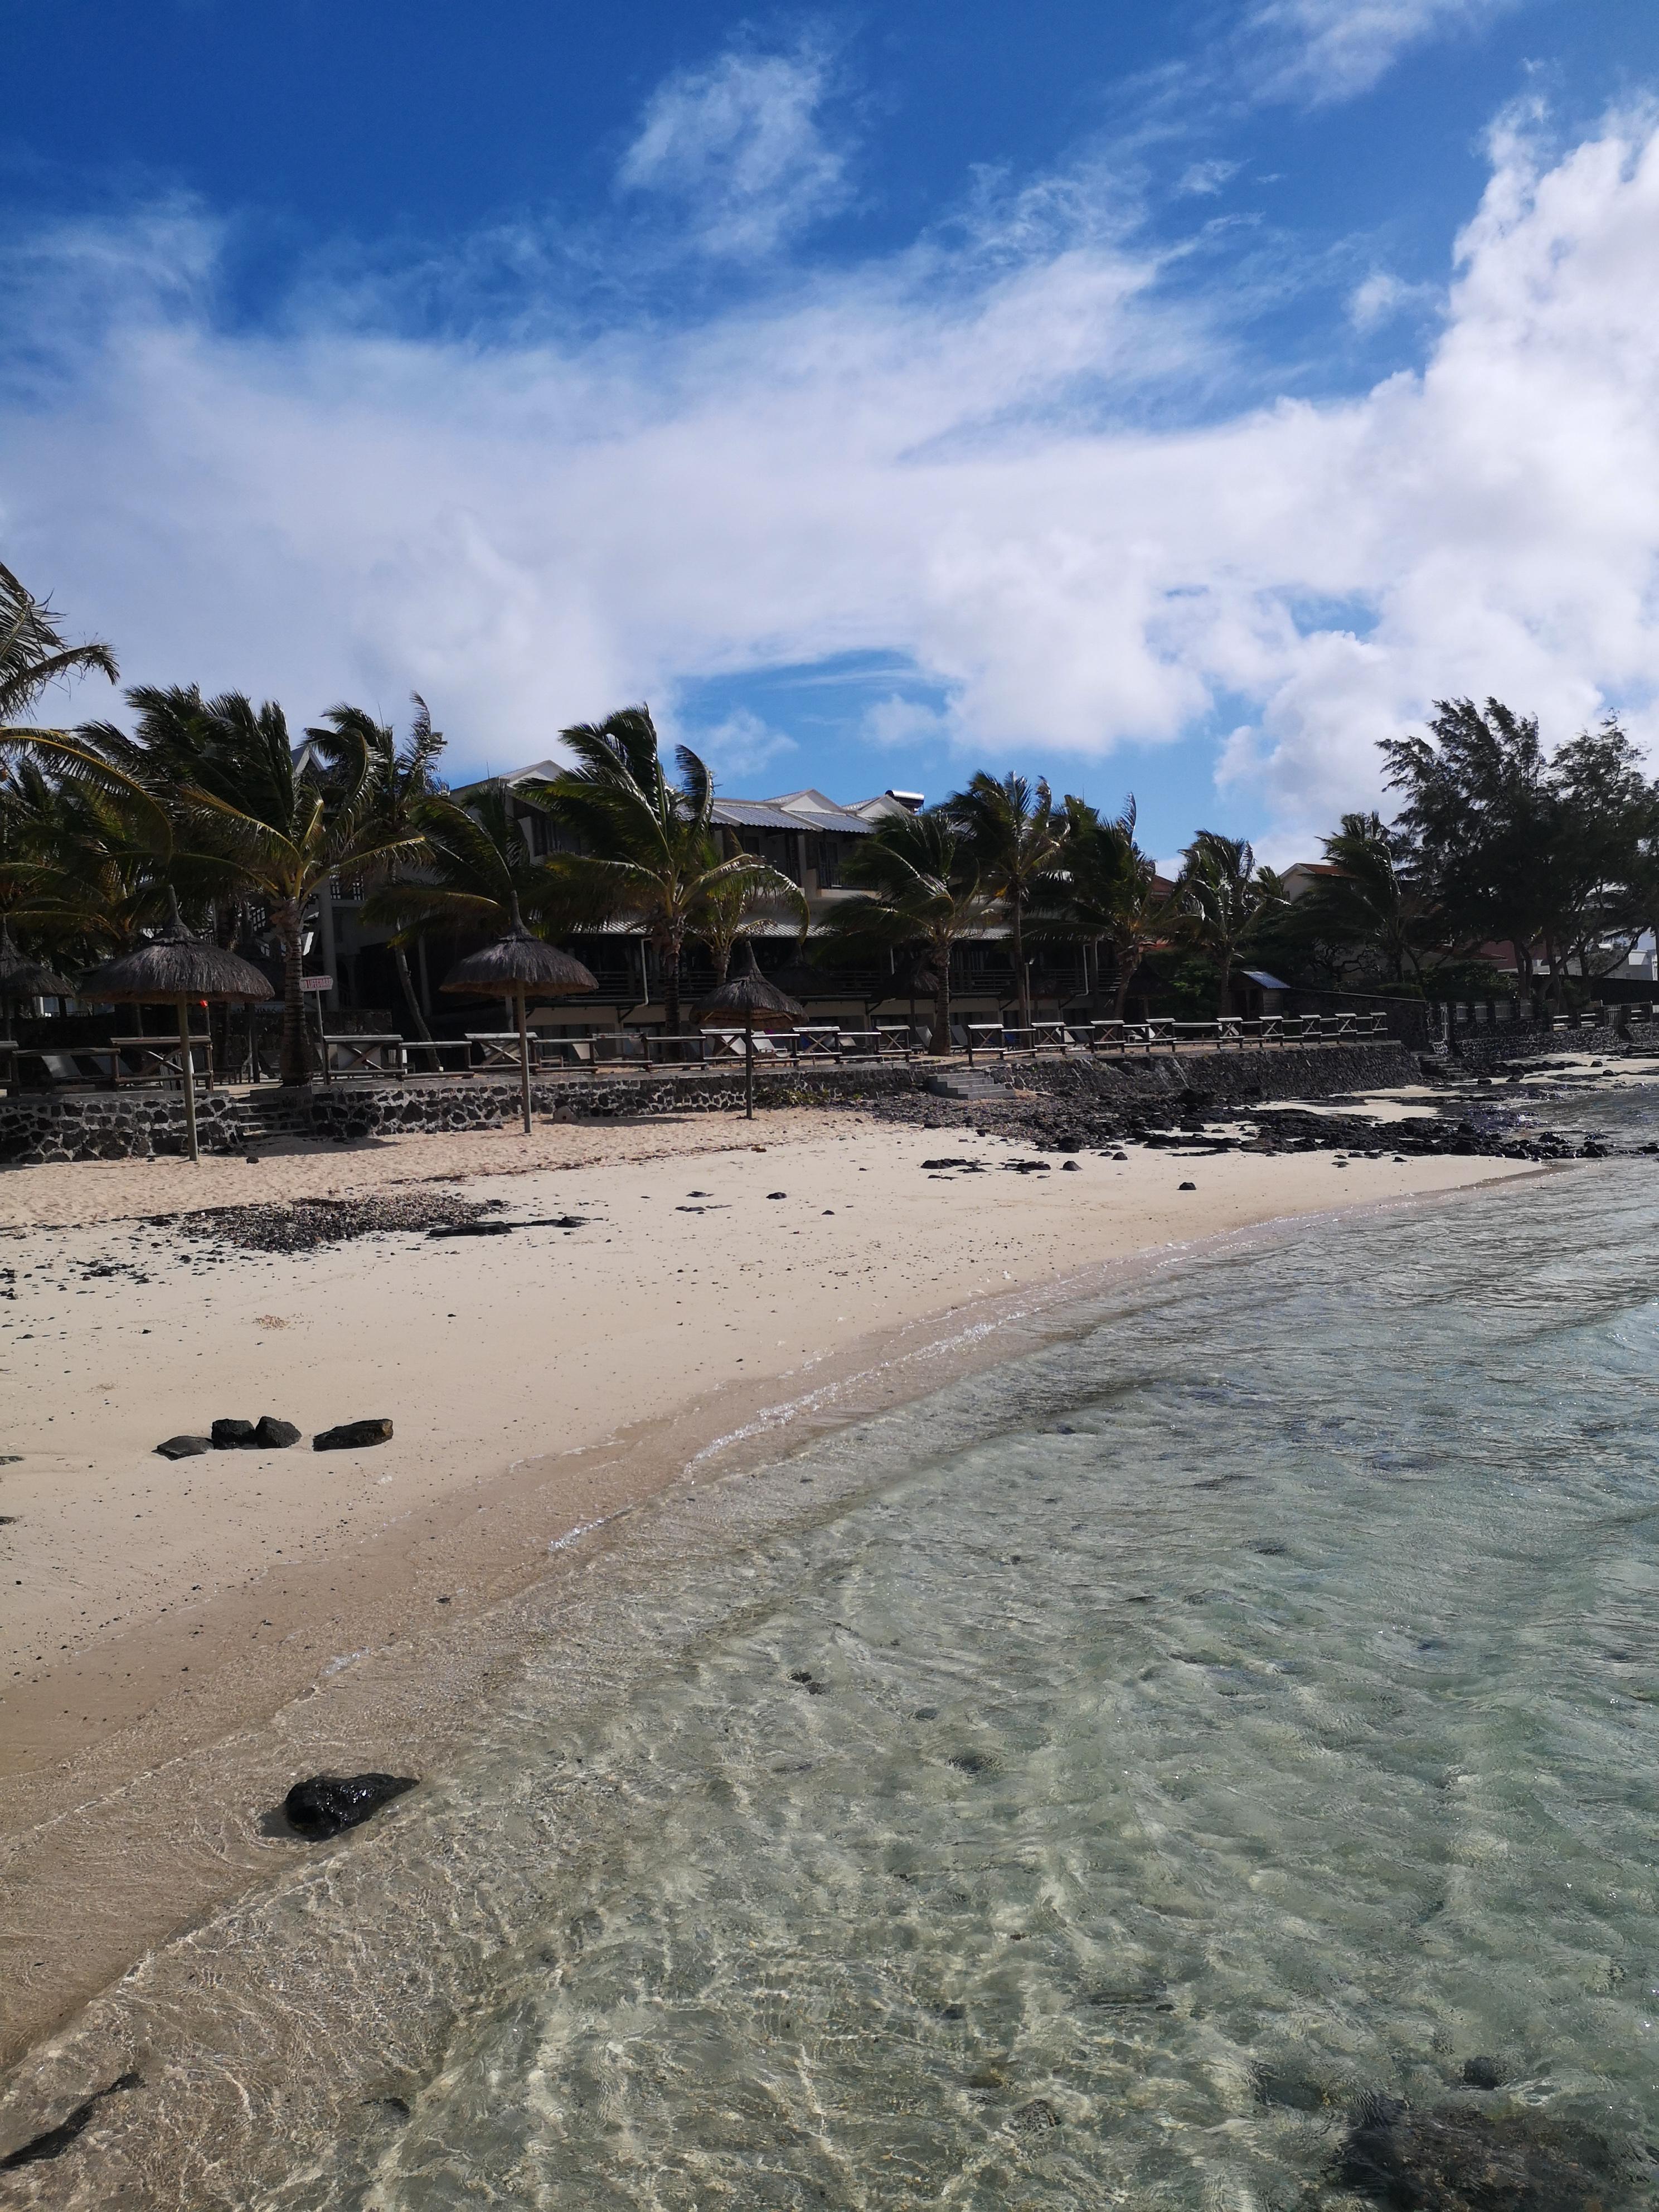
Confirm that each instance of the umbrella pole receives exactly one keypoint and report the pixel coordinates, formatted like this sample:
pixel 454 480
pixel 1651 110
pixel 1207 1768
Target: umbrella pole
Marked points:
pixel 189 1077
pixel 748 1067
pixel 524 1063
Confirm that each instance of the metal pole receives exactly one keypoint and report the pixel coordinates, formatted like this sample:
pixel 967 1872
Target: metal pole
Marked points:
pixel 190 1079
pixel 747 1064
pixel 524 1064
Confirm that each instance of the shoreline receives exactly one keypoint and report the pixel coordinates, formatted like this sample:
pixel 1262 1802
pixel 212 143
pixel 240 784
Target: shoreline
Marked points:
pixel 310 1696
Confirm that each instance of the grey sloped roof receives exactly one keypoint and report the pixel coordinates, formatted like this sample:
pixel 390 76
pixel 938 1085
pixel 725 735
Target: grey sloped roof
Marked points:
pixel 755 814
pixel 811 810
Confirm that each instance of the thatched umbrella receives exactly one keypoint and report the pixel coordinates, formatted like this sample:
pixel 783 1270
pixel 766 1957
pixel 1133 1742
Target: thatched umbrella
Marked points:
pixel 180 970
pixel 519 967
pixel 748 993
pixel 21 978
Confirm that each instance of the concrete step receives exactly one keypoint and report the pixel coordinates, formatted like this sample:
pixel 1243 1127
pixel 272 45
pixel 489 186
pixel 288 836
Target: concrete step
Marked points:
pixel 964 1084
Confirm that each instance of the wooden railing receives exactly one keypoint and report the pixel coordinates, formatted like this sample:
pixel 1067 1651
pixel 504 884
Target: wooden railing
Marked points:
pixel 630 1052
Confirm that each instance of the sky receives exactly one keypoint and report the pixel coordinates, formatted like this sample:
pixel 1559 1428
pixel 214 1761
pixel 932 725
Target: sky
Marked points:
pixel 1173 400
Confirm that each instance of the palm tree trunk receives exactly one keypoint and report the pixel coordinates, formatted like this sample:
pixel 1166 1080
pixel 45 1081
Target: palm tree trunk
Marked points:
pixel 406 983
pixel 1223 1005
pixel 941 1037
pixel 1021 977
pixel 296 1062
pixel 670 992
pixel 1124 964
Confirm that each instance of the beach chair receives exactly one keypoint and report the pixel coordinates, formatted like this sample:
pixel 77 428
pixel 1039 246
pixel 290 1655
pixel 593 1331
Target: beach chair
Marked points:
pixel 817 1042
pixel 365 1055
pixel 563 1052
pixel 496 1049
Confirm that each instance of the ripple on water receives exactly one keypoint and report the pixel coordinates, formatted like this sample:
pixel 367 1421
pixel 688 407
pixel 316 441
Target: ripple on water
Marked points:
pixel 1208 1762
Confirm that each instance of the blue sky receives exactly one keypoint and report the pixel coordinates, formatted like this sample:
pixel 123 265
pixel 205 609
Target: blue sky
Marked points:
pixel 1171 398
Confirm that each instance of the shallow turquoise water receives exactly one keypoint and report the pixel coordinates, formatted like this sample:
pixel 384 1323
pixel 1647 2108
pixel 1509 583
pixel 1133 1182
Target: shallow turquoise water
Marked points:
pixel 1076 1790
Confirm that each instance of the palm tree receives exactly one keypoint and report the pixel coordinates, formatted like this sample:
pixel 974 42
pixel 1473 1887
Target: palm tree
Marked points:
pixel 1373 902
pixel 401 784
pixel 648 849
pixel 1103 892
pixel 920 890
pixel 116 814
pixel 284 829
pixel 33 655
pixel 723 918
pixel 1223 895
pixel 477 874
pixel 1017 838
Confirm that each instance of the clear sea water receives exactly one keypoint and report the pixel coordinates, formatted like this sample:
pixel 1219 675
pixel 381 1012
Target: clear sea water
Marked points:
pixel 1079 1788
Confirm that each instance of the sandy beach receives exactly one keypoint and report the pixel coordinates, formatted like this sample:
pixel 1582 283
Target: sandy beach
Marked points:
pixel 540 1383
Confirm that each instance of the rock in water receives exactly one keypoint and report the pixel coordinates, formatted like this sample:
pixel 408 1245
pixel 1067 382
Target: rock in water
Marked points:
pixel 1484 2073
pixel 275 1435
pixel 231 1435
pixel 1458 2158
pixel 184 1447
pixel 55 2141
pixel 349 1434
pixel 322 1805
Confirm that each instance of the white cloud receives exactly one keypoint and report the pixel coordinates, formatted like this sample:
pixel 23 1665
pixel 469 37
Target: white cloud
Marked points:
pixel 742 148
pixel 1328 50
pixel 1383 296
pixel 740 745
pixel 922 457
pixel 1205 178
pixel 896 720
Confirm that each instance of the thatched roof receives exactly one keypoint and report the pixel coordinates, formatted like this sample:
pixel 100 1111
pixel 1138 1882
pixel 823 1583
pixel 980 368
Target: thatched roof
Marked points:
pixel 518 962
pixel 175 965
pixel 747 994
pixel 21 978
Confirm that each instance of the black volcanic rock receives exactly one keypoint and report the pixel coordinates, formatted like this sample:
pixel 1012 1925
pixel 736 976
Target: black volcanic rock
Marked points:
pixel 184 1447
pixel 325 1805
pixel 272 1435
pixel 231 1435
pixel 350 1434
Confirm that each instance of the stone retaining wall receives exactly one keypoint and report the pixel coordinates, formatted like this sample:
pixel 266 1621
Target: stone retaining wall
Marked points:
pixel 112 1126
pixel 1325 1071
pixel 1496 1045
pixel 107 1126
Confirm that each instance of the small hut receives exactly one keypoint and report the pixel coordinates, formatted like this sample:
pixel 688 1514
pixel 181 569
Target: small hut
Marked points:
pixel 519 967
pixel 178 969
pixel 745 995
